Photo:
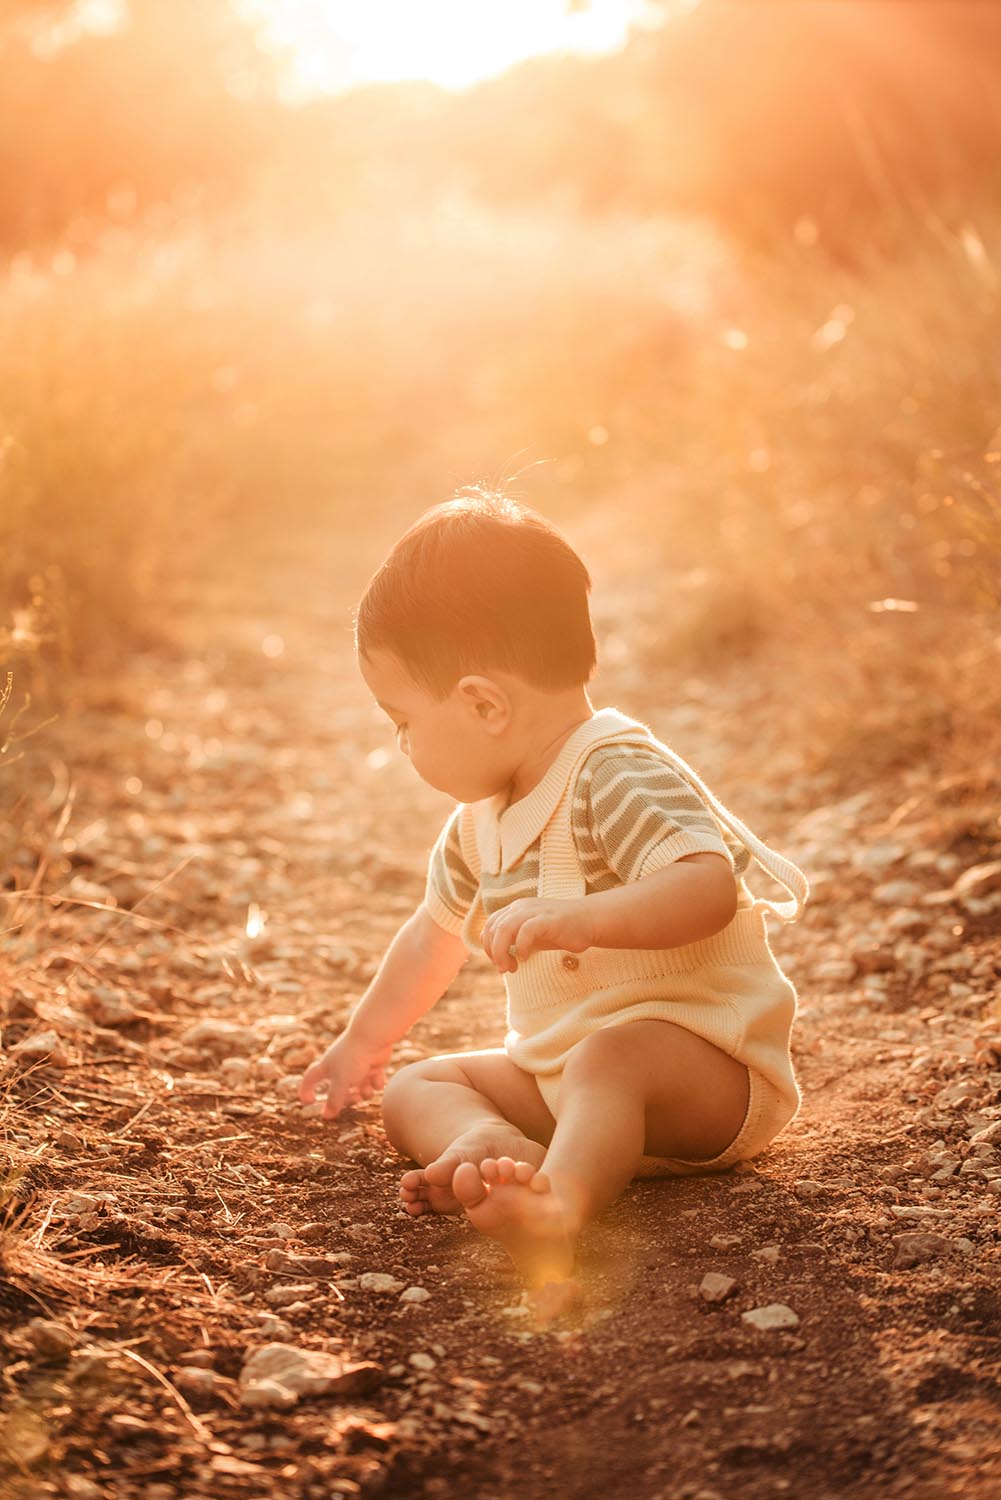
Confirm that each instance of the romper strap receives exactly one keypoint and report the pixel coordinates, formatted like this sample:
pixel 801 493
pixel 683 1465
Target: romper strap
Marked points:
pixel 560 873
pixel 782 870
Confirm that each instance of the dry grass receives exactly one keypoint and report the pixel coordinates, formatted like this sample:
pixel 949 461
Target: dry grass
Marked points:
pixel 795 441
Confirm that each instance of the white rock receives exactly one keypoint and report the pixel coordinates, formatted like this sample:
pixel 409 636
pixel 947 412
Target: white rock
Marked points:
pixel 279 1374
pixel 879 855
pixel 76 1487
pixel 219 1036
pixel 415 1294
pixel 422 1361
pixel 198 1381
pixel 806 1188
pixel 284 1296
pixel 81 1203
pixel 379 1281
pixel 898 892
pixel 907 920
pixel 767 1253
pixel 270 1326
pixel 724 1241
pixel 235 1070
pixel 43 1047
pixel 775 1315
pixel 836 970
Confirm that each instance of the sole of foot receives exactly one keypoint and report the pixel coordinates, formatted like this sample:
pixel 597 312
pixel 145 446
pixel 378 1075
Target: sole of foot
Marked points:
pixel 428 1190
pixel 513 1202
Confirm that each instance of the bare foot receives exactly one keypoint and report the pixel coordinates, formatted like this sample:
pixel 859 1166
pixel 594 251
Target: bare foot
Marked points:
pixel 428 1190
pixel 514 1203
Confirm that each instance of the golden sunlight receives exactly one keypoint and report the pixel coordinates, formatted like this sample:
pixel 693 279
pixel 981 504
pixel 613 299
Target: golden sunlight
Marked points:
pixel 331 45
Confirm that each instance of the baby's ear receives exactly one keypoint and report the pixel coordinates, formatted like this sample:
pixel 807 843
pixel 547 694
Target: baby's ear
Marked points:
pixel 487 700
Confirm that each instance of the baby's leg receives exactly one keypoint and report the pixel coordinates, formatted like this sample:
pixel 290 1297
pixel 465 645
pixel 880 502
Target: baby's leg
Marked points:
pixel 645 1087
pixel 462 1107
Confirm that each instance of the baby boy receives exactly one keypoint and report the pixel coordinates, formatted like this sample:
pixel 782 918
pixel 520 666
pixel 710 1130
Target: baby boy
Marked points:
pixel 648 1022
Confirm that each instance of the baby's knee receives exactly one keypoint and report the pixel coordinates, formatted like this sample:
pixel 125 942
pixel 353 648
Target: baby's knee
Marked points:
pixel 608 1051
pixel 400 1094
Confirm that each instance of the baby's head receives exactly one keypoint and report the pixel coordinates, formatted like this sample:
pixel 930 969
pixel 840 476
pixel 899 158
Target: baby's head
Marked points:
pixel 475 629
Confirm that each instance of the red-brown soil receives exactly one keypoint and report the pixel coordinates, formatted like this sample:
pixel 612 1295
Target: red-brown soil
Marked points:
pixel 162 1190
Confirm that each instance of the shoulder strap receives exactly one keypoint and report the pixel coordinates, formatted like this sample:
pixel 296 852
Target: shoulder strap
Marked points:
pixel 467 840
pixel 782 870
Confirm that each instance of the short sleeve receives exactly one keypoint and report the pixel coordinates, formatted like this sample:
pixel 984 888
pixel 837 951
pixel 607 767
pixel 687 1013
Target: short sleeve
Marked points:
pixel 634 813
pixel 451 885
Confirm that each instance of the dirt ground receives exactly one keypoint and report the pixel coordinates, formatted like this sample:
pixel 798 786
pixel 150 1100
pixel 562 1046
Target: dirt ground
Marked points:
pixel 237 804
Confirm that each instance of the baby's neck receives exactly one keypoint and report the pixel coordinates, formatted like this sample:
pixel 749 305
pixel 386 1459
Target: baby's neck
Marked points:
pixel 546 722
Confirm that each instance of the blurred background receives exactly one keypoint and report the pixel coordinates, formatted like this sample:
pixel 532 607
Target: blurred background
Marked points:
pixel 716 279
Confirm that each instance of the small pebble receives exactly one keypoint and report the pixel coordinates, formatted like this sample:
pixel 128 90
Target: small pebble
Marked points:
pixel 379 1281
pixel 836 971
pixel 198 1381
pixel 422 1362
pixel 715 1287
pixel 805 1188
pixel 50 1339
pixel 898 892
pixel 916 1247
pixel 415 1294
pixel 284 1296
pixel 44 1047
pixel 776 1315
pixel 272 1327
pixel 769 1254
pixel 202 1359
pixel 77 1487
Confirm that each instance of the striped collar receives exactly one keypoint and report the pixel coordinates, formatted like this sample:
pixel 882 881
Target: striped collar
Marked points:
pixel 503 833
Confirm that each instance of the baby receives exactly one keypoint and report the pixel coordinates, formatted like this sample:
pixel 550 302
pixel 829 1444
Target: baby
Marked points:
pixel 648 1022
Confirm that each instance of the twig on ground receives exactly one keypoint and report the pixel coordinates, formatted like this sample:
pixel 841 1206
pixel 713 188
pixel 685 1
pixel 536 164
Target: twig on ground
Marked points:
pixel 197 1425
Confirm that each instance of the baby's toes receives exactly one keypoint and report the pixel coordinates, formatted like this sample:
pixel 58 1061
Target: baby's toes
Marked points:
pixel 490 1169
pixel 506 1168
pixel 524 1171
pixel 412 1182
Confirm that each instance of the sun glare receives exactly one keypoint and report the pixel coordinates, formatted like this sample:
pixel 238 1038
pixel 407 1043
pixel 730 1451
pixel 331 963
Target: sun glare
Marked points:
pixel 332 45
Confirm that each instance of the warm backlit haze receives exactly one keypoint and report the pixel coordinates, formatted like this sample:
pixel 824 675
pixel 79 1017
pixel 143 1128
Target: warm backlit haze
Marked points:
pixel 716 287
pixel 727 270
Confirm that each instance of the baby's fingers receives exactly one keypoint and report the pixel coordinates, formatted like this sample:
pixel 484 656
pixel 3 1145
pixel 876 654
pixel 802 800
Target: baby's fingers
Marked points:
pixel 308 1082
pixel 333 1103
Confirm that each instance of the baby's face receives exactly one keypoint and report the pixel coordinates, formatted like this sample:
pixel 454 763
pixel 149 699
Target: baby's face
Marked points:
pixel 445 738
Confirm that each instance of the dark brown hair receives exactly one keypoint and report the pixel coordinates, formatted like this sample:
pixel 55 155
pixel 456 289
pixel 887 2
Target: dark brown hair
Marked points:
pixel 479 584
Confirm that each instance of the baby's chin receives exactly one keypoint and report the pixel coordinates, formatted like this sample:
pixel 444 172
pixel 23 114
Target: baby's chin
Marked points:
pixel 462 790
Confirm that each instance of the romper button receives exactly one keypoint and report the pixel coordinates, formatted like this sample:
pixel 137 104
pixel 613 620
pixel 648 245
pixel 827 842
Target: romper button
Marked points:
pixel 570 962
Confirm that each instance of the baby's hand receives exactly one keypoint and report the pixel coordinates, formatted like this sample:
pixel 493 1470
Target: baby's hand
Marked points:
pixel 530 925
pixel 351 1071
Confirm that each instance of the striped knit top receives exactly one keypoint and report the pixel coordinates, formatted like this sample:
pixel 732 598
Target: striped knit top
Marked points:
pixel 632 814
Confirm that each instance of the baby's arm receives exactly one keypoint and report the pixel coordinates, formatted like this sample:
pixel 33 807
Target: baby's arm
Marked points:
pixel 420 964
pixel 691 899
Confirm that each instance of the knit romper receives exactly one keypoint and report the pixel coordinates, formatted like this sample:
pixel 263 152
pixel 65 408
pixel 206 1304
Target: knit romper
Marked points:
pixel 727 988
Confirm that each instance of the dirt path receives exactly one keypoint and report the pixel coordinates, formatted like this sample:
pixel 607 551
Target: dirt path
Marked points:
pixel 171 1209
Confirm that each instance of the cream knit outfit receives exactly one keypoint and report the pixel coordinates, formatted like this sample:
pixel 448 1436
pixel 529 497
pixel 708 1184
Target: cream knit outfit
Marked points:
pixel 728 988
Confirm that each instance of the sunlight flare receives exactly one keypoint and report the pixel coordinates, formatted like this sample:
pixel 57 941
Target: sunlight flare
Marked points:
pixel 330 46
